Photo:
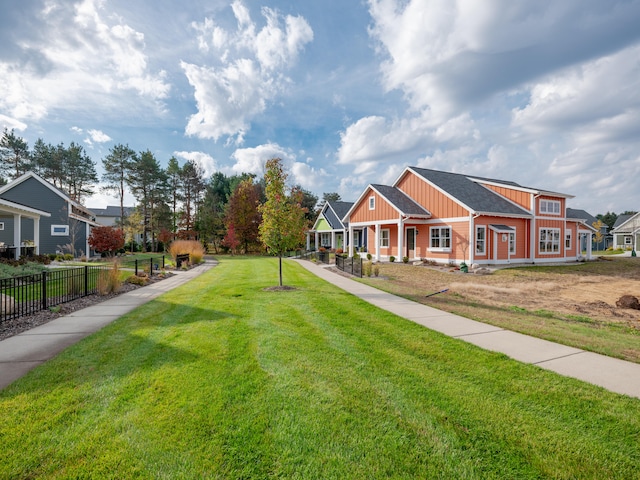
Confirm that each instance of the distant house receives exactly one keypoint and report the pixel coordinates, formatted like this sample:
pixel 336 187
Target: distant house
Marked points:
pixel 111 216
pixel 626 232
pixel 330 232
pixel 450 218
pixel 50 219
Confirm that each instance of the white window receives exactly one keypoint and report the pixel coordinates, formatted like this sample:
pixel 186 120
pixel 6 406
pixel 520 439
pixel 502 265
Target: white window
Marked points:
pixel 549 240
pixel 512 242
pixel 1 225
pixel 481 235
pixel 372 203
pixel 384 237
pixel 325 239
pixel 440 237
pixel 59 230
pixel 567 240
pixel 550 207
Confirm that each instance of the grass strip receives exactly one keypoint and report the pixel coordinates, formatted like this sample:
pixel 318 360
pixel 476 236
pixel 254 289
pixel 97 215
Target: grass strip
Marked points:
pixel 221 378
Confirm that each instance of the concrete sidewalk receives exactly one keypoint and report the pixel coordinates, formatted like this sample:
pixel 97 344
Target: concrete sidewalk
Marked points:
pixel 21 353
pixel 615 375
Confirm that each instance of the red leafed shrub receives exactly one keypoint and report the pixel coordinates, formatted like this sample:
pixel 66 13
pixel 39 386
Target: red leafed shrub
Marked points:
pixel 106 239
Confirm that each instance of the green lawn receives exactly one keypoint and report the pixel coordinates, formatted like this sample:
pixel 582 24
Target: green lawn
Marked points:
pixel 222 379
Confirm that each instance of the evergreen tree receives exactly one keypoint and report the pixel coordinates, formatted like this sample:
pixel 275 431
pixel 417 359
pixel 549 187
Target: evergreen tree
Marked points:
pixel 15 159
pixel 116 167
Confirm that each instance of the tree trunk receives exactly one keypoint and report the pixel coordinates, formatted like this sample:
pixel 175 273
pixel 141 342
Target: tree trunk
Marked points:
pixel 280 261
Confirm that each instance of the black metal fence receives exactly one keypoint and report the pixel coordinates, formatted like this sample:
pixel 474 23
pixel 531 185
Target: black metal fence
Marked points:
pixel 28 294
pixel 350 265
pixel 147 265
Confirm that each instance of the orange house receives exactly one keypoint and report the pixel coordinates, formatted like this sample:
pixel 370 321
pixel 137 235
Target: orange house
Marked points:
pixel 454 218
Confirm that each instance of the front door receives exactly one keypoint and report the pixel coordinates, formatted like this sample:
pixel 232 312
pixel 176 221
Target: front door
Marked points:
pixel 411 242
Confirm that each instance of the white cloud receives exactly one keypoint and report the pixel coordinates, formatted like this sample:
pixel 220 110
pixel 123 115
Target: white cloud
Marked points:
pixel 247 71
pixel 82 56
pixel 204 160
pixel 96 136
pixel 11 123
pixel 252 160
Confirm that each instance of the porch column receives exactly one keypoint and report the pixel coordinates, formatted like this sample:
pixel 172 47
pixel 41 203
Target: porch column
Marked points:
pixel 17 233
pixel 308 241
pixel 400 239
pixel 589 248
pixel 36 234
pixel 316 244
pixel 350 242
pixel 333 239
pixel 377 240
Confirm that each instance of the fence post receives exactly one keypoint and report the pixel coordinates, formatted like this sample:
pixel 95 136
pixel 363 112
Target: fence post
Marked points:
pixel 150 266
pixel 163 262
pixel 44 290
pixel 136 266
pixel 86 280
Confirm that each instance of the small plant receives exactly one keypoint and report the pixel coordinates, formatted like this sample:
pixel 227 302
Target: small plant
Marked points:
pixel 376 270
pixel 55 309
pixel 339 251
pixel 369 257
pixel 75 284
pixel 137 280
pixel 368 268
pixel 67 257
pixel 392 259
pixel 405 259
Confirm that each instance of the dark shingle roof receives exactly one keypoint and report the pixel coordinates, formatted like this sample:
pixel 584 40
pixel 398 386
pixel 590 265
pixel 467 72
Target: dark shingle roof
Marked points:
pixel 579 214
pixel 341 208
pixel 400 200
pixel 111 211
pixel 621 219
pixel 472 194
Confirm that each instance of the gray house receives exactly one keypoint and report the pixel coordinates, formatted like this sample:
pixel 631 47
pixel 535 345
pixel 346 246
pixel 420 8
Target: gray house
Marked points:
pixel 49 222
pixel 626 232
pixel 330 232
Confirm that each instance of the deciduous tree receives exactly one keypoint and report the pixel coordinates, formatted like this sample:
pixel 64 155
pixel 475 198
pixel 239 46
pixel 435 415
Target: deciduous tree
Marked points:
pixel 243 214
pixel 283 217
pixel 106 239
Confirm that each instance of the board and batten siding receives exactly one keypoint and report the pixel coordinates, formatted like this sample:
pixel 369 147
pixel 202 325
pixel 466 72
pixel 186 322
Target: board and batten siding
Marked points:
pixel 523 199
pixel 383 211
pixel 423 193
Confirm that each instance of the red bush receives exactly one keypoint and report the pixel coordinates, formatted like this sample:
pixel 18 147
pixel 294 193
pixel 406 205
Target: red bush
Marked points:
pixel 106 239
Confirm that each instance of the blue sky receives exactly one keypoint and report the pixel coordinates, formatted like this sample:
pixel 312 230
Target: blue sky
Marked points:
pixel 543 93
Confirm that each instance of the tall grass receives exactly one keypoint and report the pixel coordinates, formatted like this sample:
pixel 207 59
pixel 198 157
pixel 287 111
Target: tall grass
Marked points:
pixel 193 248
pixel 109 281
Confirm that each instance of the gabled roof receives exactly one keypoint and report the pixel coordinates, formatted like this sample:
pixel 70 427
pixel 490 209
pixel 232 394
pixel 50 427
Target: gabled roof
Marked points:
pixel 626 223
pixel 583 216
pixel 26 176
pixel 404 204
pixel 333 212
pixel 396 198
pixel 7 206
pixel 468 192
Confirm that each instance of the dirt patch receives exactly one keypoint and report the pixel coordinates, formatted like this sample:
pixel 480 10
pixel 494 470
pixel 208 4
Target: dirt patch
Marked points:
pixel 283 288
pixel 590 289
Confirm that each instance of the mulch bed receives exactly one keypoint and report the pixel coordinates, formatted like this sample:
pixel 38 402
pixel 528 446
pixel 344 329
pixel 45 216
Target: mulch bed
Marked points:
pixel 14 326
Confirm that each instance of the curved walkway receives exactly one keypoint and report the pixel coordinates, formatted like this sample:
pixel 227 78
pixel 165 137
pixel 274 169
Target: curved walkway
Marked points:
pixel 611 373
pixel 23 352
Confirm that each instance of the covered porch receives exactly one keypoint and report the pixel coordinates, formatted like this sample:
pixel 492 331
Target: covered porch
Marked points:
pixel 12 245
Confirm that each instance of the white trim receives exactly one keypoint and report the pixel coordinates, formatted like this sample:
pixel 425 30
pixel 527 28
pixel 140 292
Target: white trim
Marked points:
pixel 371 202
pixel 440 239
pixel 552 230
pixel 515 244
pixel 568 234
pixel 482 252
pixel 59 230
pixel 1 225
pixel 547 202
pixel 381 238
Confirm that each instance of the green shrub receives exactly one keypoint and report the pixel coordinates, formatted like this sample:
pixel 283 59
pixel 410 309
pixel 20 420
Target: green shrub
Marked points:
pixel 405 259
pixel 369 257
pixel 376 269
pixel 392 259
pixel 67 257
